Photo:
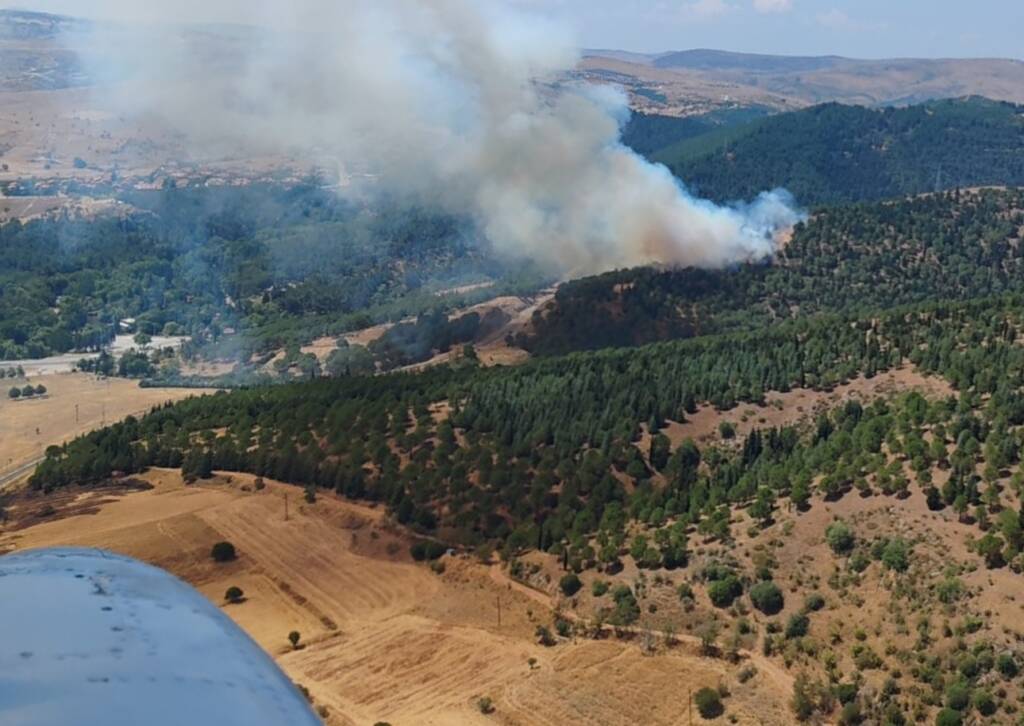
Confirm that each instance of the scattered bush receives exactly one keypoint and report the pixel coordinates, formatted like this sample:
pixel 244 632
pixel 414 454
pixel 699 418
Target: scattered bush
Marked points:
pixel 723 592
pixel 627 610
pixel 294 637
pixel 223 552
pixel 1007 665
pixel 544 636
pixel 949 717
pixel 896 555
pixel 570 584
pixel 797 626
pixel 840 537
pixel 984 703
pixel 958 695
pixel 234 594
pixel 814 602
pixel 767 597
pixel 709 703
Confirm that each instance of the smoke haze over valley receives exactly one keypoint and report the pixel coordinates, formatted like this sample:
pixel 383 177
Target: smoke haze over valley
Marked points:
pixel 458 105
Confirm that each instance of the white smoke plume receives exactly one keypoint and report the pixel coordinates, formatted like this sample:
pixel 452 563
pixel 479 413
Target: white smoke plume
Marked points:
pixel 458 103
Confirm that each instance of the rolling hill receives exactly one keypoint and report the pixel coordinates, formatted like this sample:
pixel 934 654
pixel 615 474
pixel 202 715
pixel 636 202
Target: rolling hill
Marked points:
pixel 838 154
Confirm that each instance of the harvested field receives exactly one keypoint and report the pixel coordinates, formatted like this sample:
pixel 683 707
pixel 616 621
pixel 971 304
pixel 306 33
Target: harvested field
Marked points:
pixel 28 426
pixel 382 638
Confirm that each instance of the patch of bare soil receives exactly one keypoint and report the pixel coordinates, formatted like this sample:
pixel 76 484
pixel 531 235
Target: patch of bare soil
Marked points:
pixel 799 406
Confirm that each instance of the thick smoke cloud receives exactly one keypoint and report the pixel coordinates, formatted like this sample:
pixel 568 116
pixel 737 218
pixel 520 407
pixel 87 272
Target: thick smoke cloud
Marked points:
pixel 458 103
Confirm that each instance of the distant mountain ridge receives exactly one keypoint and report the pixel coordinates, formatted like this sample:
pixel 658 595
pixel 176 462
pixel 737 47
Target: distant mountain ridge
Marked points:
pixel 796 81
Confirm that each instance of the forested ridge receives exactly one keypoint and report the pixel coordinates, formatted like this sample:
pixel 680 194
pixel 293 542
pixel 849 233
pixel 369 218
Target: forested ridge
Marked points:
pixel 537 456
pixel 950 246
pixel 833 154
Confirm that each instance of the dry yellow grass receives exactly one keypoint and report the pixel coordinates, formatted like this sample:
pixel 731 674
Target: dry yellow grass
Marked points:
pixel 28 426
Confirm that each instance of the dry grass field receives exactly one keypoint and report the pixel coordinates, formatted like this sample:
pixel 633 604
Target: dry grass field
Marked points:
pixel 384 639
pixel 75 403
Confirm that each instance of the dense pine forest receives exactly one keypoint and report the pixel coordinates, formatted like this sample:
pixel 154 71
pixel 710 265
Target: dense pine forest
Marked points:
pixel 840 154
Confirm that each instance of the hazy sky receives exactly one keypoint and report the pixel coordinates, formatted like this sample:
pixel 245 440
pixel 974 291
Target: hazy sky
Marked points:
pixel 863 28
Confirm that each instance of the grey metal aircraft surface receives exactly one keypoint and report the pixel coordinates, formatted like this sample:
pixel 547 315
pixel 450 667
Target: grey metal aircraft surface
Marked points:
pixel 91 638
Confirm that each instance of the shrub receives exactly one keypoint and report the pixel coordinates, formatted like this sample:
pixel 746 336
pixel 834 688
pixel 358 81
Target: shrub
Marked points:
pixel 802 702
pixel 948 717
pixel 570 584
pixel 627 610
pixel 14 393
pixel 767 597
pixel 427 550
pixel 797 626
pixel 1007 665
pixel 840 537
pixel 950 590
pixel 544 636
pixel 851 714
pixel 599 588
pixel 968 666
pixel 293 638
pixel 723 592
pixel 896 555
pixel 982 700
pixel 223 552
pixel 846 692
pixel 958 695
pixel 709 703
pixel 859 562
pixel 814 602
pixel 486 705
pixel 234 594
pixel 726 430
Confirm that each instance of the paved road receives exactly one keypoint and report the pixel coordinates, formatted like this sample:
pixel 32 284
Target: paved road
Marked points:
pixel 16 475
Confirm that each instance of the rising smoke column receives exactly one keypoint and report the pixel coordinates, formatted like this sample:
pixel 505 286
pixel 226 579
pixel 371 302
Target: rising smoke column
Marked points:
pixel 456 103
